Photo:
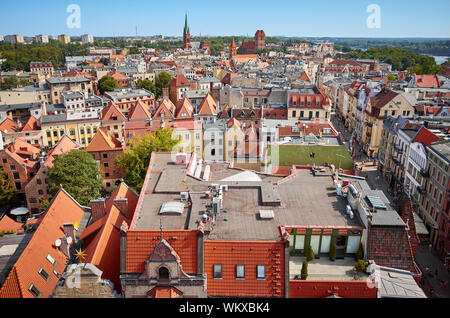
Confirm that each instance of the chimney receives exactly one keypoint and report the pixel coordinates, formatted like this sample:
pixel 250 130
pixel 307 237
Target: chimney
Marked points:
pixel 123 248
pixel 165 92
pixel 69 230
pixel 98 209
pixel 200 253
pixel 122 205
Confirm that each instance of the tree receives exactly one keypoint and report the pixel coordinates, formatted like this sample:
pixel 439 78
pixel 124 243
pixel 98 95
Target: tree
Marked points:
pixel 361 266
pixel 104 61
pixel 360 253
pixel 304 272
pixel 135 161
pixel 146 84
pixel 10 82
pixel 7 193
pixel 43 204
pixel 333 252
pixel 391 77
pixel 134 50
pixel 309 254
pixel 78 173
pixel 162 81
pixel 107 84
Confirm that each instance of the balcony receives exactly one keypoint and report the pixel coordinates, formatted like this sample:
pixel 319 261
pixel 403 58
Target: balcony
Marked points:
pixel 396 161
pixel 424 173
pixel 422 190
pixel 398 150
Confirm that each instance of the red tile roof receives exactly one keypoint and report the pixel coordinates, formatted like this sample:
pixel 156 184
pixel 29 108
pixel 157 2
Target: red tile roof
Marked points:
pixel 111 111
pixel 164 292
pixel 166 108
pixel 8 125
pixel 389 247
pixel 140 245
pixel 180 81
pixel 103 236
pixel 427 81
pixel 250 254
pixel 344 62
pixel 103 141
pixel 208 106
pixel 31 125
pixel 186 108
pixel 64 145
pixel 426 137
pixel 380 100
pixel 8 224
pixel 140 111
pixel 63 209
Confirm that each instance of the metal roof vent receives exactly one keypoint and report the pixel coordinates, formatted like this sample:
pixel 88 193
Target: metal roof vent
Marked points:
pixel 172 208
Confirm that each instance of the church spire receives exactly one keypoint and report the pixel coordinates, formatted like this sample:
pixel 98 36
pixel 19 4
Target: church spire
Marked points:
pixel 186 27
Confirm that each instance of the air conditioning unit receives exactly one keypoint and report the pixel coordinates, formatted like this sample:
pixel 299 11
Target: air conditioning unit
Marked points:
pixel 215 187
pixel 224 188
pixel 184 196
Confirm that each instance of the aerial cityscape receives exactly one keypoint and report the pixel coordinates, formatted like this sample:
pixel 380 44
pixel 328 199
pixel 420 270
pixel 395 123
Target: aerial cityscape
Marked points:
pixel 206 155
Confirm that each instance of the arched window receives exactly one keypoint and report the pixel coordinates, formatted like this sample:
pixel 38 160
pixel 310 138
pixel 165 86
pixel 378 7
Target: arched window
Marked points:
pixel 163 273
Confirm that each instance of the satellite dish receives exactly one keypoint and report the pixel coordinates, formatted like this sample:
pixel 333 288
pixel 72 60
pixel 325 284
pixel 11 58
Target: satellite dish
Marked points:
pixel 69 240
pixel 58 243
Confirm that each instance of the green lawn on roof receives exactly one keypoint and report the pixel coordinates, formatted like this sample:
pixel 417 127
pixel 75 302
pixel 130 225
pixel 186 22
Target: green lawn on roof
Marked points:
pixel 300 155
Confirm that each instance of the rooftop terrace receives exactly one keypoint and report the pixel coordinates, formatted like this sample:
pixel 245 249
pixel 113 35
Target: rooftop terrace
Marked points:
pixel 303 199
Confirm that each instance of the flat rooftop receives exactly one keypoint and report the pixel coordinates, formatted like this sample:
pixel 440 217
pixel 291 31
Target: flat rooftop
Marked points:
pixel 326 270
pixel 302 200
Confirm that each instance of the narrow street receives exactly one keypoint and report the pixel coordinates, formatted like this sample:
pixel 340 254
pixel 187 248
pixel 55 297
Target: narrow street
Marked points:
pixel 435 277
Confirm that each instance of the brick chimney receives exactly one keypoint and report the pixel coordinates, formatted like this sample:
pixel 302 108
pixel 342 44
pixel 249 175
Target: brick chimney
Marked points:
pixel 98 209
pixel 122 205
pixel 165 92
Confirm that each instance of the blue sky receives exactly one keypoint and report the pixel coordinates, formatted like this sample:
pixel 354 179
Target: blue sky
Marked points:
pixel 315 18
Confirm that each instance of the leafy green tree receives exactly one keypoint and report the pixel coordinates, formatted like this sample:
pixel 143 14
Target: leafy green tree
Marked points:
pixel 136 159
pixel 304 272
pixel 333 252
pixel 146 84
pixel 361 266
pixel 391 77
pixel 79 175
pixel 107 84
pixel 10 82
pixel 104 61
pixel 43 204
pixel 8 194
pixel 360 253
pixel 309 254
pixel 162 81
pixel 134 50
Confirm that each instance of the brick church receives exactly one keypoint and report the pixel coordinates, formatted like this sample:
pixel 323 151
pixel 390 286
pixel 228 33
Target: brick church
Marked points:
pixel 253 46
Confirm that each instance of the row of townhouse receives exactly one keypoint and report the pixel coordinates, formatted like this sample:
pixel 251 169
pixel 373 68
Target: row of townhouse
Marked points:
pixel 414 161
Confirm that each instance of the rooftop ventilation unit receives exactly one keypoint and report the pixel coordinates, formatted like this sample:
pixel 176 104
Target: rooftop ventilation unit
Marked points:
pixel 224 187
pixel 217 205
pixel 184 196
pixel 266 214
pixel 215 187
